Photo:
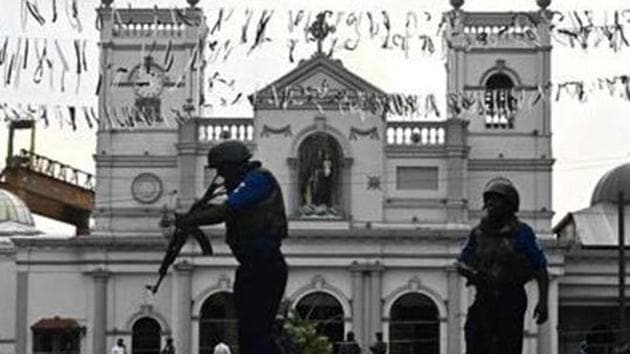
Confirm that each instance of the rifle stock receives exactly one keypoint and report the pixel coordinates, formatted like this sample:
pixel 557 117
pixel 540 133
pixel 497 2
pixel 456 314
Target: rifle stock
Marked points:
pixel 178 240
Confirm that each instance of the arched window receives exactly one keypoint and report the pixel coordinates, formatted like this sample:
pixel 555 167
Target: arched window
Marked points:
pixel 146 336
pixel 326 312
pixel 319 178
pixel 414 325
pixel 218 322
pixel 499 102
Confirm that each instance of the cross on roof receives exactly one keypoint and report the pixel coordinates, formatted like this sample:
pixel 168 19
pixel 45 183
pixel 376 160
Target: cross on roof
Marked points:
pixel 320 29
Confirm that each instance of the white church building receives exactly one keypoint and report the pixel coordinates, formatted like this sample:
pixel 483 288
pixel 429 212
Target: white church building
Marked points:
pixel 378 208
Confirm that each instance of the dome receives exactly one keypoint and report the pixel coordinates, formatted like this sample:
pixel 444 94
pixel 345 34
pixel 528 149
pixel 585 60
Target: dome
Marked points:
pixel 13 209
pixel 608 187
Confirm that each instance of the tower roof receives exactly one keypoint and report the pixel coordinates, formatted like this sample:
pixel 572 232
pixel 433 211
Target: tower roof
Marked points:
pixel 15 216
pixel 609 186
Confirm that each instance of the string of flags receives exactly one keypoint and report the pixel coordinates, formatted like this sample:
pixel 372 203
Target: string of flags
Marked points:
pixel 481 102
pixel 126 117
pixel 29 9
pixel 43 56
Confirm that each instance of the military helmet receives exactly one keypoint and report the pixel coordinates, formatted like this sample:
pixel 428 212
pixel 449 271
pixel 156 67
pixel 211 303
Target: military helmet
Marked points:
pixel 506 190
pixel 231 151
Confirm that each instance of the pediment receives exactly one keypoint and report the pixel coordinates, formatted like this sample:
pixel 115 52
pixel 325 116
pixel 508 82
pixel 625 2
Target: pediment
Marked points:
pixel 317 81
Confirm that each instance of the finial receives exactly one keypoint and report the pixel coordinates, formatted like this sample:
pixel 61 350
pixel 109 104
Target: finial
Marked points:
pixel 192 3
pixel 319 29
pixel 543 4
pixel 457 4
pixel 107 3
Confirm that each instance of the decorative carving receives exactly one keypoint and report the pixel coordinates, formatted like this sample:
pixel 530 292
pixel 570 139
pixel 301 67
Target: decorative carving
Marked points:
pixel 373 183
pixel 372 133
pixel 543 4
pixel 267 131
pixel 457 4
pixel 414 284
pixel 146 188
pixel 320 123
pixel 318 282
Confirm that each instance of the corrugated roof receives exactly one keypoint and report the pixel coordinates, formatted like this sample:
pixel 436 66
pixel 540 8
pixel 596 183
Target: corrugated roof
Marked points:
pixel 598 225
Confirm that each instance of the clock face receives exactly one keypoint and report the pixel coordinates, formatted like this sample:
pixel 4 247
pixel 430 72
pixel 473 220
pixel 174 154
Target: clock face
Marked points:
pixel 148 82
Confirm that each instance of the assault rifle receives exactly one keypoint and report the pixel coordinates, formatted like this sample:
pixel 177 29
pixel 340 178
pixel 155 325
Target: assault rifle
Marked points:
pixel 180 235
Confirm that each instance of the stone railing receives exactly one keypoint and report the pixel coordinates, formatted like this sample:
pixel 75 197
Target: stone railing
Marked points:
pixel 148 29
pixel 415 133
pixel 209 130
pixel 155 22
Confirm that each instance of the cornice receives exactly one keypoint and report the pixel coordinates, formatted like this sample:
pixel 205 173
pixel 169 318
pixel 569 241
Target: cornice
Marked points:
pixel 128 212
pixel 420 151
pixel 135 161
pixel 500 49
pixel 138 47
pixel 542 164
pixel 404 203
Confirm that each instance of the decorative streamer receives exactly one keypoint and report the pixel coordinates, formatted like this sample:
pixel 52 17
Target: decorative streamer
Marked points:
pixel 261 29
pixel 54 11
pixel 66 67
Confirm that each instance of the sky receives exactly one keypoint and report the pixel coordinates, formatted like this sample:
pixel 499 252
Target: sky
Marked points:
pixel 589 138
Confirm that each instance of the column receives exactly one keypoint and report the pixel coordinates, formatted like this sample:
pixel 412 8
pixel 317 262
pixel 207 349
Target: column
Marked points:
pixel 357 301
pixel 99 340
pixel 366 326
pixel 454 311
pixel 182 311
pixel 376 318
pixel 21 312
pixel 548 332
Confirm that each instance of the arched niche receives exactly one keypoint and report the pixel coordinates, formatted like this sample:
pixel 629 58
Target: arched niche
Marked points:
pixel 319 163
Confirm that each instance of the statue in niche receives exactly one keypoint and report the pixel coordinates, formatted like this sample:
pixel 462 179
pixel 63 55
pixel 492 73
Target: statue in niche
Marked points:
pixel 321 181
pixel 319 176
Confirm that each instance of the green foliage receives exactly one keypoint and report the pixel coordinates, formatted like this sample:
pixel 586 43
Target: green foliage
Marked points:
pixel 304 336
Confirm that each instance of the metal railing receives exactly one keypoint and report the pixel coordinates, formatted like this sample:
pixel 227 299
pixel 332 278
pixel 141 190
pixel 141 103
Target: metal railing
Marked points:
pixel 52 168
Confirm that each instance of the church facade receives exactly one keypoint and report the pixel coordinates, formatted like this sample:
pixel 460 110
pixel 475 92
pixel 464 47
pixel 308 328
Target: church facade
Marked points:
pixel 379 208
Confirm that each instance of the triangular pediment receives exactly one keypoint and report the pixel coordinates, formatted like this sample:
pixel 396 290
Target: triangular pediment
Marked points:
pixel 319 77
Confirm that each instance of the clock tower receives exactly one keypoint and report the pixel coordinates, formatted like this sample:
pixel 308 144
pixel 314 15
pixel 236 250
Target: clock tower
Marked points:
pixel 150 83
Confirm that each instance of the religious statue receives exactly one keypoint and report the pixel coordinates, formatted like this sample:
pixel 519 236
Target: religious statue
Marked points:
pixel 321 181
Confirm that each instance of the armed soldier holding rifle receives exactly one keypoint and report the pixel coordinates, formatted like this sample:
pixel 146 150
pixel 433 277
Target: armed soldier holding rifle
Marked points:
pixel 256 223
pixel 501 255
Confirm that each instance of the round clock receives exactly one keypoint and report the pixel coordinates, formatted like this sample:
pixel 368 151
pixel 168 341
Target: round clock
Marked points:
pixel 148 80
pixel 146 188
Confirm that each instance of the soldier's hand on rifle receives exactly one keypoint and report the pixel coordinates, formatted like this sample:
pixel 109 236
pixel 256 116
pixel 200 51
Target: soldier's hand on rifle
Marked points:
pixel 168 220
pixel 541 313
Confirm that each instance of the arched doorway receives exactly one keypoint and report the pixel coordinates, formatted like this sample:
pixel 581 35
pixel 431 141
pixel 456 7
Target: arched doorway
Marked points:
pixel 319 176
pixel 414 325
pixel 324 310
pixel 217 321
pixel 146 338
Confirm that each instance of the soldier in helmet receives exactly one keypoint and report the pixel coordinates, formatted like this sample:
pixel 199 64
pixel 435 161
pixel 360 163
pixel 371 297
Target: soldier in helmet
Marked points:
pixel 500 256
pixel 256 224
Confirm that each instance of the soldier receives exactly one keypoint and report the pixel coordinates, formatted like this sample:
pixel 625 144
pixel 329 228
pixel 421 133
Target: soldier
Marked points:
pixel 501 255
pixel 256 224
